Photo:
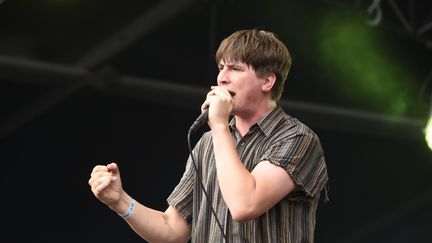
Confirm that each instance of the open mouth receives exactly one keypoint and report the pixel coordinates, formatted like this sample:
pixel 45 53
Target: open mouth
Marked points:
pixel 231 93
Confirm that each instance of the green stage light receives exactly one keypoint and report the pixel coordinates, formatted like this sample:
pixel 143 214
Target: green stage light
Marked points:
pixel 428 132
pixel 361 65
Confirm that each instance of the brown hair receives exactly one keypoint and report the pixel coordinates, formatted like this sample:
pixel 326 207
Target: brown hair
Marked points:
pixel 262 50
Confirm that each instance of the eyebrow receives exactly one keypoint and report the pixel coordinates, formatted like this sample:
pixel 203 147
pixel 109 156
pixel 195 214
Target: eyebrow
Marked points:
pixel 231 64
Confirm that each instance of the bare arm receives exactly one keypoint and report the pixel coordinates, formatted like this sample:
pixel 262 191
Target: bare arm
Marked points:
pixel 152 225
pixel 247 194
pixel 156 226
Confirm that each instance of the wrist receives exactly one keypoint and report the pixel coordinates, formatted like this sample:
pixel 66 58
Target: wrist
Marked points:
pixel 130 210
pixel 219 127
pixel 122 205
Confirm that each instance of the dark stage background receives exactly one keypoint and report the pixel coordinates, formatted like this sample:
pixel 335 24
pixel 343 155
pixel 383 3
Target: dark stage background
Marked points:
pixel 90 82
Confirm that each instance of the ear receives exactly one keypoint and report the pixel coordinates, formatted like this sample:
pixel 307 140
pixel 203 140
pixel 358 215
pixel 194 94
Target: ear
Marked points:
pixel 269 81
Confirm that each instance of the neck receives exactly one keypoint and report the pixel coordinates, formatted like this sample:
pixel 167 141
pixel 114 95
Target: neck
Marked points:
pixel 245 121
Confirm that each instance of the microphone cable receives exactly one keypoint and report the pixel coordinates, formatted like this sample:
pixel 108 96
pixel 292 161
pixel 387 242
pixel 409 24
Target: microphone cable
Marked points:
pixel 203 188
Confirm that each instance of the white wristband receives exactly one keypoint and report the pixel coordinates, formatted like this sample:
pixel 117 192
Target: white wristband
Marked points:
pixel 129 211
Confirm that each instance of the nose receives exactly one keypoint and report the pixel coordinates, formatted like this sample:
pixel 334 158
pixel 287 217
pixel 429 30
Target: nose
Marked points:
pixel 222 78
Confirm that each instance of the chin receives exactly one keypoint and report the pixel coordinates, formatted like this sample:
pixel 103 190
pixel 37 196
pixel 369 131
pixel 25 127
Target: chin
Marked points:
pixel 233 112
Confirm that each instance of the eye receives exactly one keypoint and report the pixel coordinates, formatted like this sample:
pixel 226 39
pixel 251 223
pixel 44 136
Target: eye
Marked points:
pixel 237 68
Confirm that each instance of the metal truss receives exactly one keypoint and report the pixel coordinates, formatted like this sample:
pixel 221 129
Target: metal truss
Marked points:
pixel 57 75
pixel 318 116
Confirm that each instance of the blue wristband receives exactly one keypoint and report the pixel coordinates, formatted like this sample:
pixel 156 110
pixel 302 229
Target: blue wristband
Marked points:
pixel 129 211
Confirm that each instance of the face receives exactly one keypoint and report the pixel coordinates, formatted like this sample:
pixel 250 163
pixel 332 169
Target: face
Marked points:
pixel 243 84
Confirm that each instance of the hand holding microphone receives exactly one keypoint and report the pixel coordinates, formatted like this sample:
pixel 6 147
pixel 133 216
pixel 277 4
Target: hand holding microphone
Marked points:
pixel 221 102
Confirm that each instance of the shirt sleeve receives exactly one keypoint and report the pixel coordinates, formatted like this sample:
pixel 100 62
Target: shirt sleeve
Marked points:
pixel 182 197
pixel 301 155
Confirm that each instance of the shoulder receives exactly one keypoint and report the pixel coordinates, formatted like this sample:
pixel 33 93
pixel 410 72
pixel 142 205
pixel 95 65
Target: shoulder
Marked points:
pixel 289 127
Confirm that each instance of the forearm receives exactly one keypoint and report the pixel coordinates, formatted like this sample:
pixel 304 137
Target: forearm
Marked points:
pixel 236 182
pixel 153 225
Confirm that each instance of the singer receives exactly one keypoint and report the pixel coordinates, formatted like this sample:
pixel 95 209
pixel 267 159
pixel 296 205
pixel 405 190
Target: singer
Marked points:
pixel 264 170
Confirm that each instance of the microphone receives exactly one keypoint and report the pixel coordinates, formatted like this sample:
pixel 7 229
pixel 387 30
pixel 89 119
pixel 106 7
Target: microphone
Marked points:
pixel 199 122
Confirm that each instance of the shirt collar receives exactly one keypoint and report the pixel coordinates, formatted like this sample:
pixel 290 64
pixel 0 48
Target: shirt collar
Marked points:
pixel 267 123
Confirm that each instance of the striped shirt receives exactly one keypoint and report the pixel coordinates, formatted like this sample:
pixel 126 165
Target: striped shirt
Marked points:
pixel 285 142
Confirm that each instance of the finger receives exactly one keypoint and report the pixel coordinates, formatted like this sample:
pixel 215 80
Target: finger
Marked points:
pixel 97 175
pixel 211 92
pixel 99 168
pixel 222 92
pixel 100 180
pixel 100 187
pixel 113 168
pixel 205 105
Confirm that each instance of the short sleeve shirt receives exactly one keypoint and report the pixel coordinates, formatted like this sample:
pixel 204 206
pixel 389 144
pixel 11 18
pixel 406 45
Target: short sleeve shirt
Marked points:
pixel 278 138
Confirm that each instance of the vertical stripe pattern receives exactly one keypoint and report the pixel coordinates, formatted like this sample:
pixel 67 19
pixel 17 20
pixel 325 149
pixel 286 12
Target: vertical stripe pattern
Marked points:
pixel 285 142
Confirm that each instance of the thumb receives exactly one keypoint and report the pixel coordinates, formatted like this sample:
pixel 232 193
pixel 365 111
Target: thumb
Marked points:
pixel 113 168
